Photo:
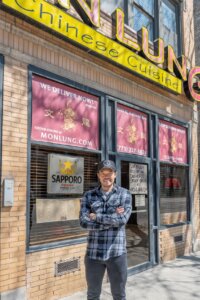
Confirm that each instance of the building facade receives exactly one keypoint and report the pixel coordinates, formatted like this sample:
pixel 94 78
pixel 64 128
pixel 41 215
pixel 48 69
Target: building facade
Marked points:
pixel 197 51
pixel 81 82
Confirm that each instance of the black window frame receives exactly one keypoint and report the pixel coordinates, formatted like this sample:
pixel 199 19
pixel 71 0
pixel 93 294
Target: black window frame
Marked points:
pixel 188 166
pixel 178 7
pixel 169 192
pixel 157 22
pixel 104 151
pixel 146 13
pixel 33 70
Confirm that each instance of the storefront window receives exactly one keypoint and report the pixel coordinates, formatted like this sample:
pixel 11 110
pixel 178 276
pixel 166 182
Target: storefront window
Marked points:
pixel 173 194
pixel 64 115
pixel 54 213
pixel 132 131
pixel 61 116
pixel 173 173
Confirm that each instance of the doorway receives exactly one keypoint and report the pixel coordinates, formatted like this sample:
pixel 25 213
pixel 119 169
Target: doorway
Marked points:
pixel 139 229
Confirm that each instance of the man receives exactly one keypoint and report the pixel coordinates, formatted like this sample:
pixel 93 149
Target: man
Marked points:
pixel 104 212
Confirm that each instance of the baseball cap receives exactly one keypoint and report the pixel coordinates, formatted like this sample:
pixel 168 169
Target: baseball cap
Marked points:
pixel 106 164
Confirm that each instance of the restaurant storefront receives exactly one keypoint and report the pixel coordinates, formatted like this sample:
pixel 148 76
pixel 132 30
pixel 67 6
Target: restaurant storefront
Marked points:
pixel 73 95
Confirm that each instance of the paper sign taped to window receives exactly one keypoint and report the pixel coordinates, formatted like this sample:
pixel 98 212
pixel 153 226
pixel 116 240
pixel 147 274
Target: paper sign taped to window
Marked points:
pixel 139 200
pixel 56 210
pixel 137 178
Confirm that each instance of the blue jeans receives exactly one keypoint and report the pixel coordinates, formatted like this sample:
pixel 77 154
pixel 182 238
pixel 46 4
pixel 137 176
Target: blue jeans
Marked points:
pixel 117 274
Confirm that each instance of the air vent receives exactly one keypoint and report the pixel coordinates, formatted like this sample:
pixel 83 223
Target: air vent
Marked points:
pixel 67 266
pixel 178 238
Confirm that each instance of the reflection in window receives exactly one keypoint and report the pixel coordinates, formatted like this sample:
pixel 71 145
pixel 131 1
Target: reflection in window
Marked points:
pixel 141 15
pixel 173 194
pixel 146 5
pixel 109 6
pixel 140 20
pixel 137 228
pixel 42 229
pixel 168 30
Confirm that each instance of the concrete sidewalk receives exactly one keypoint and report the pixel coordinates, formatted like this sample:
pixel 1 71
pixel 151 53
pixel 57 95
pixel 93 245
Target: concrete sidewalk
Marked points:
pixel 175 280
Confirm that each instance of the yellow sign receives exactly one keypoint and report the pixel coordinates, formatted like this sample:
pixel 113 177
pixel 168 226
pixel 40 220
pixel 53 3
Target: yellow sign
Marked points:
pixel 56 19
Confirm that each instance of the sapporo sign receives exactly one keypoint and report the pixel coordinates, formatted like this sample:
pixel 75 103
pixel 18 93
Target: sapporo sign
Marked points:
pixel 65 174
pixel 123 51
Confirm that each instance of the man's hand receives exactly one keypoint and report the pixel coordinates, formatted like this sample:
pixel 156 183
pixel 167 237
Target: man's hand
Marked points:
pixel 119 210
pixel 92 216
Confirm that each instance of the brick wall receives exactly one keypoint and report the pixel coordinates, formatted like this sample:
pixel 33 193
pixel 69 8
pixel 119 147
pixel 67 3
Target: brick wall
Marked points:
pixel 197 31
pixel 169 247
pixel 41 280
pixel 195 188
pixel 14 165
pixel 197 63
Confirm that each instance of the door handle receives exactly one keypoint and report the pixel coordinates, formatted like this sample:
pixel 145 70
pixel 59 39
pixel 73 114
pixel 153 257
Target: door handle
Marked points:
pixel 154 227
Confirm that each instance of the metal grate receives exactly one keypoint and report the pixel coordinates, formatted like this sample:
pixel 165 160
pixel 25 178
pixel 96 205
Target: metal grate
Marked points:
pixel 67 266
pixel 178 238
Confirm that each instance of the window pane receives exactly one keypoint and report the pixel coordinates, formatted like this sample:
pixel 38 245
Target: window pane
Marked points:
pixel 132 131
pixel 137 228
pixel 173 194
pixel 109 6
pixel 147 5
pixel 139 19
pixel 168 24
pixel 55 217
pixel 64 115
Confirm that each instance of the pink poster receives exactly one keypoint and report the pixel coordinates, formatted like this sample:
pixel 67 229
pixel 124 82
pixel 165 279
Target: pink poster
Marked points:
pixel 64 115
pixel 172 142
pixel 131 131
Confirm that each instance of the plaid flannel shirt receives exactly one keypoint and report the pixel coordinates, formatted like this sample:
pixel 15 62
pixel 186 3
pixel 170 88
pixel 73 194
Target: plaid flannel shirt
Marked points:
pixel 107 237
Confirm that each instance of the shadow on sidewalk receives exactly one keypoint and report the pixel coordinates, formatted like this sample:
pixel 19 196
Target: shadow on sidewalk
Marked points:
pixel 179 279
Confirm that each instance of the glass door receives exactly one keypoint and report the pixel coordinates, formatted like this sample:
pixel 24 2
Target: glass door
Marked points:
pixel 135 177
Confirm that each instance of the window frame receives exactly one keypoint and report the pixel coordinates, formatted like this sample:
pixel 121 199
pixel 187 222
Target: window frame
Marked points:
pixel 156 24
pixel 48 231
pixel 186 169
pixel 139 7
pixel 104 151
pixel 177 4
pixel 188 166
pixel 32 70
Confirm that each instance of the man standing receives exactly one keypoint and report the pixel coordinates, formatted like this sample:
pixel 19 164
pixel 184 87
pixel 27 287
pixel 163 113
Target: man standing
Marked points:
pixel 104 212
